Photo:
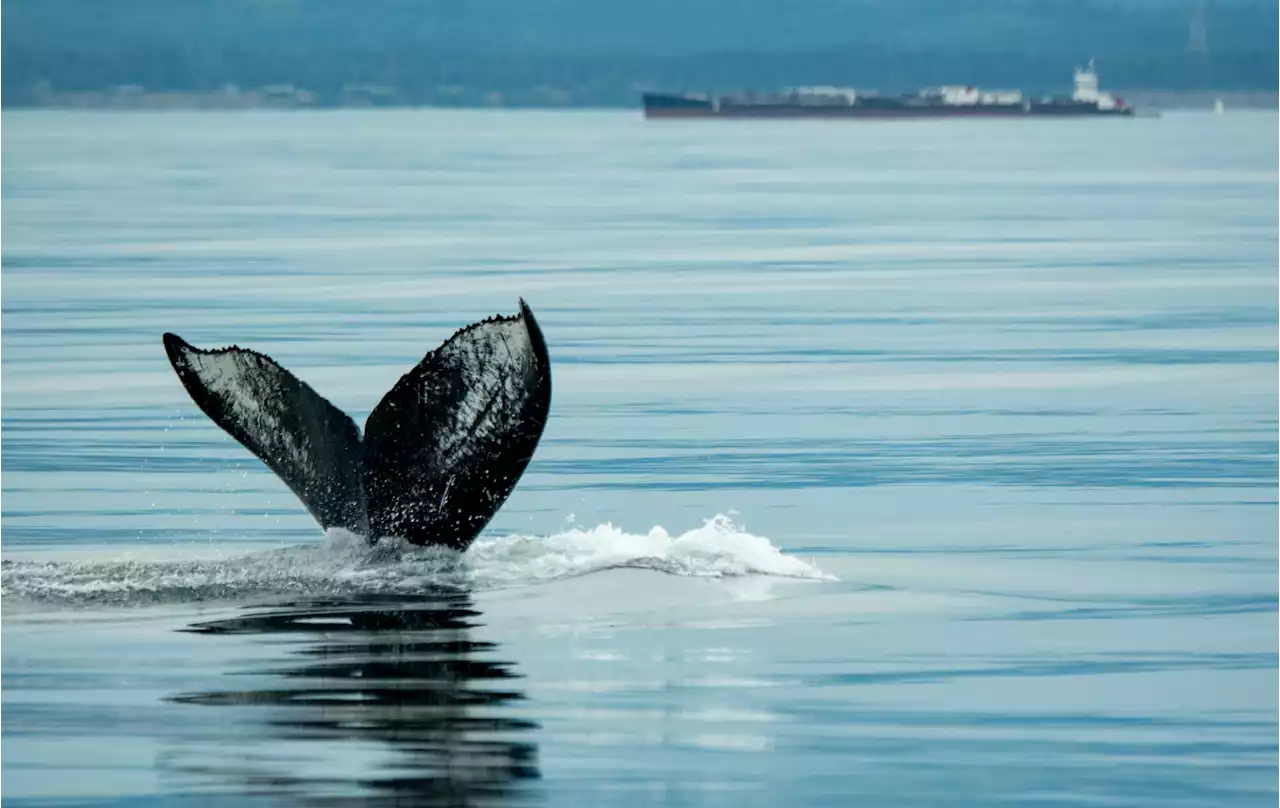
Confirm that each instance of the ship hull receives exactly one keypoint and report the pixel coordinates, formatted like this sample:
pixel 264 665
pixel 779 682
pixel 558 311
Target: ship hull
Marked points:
pixel 661 106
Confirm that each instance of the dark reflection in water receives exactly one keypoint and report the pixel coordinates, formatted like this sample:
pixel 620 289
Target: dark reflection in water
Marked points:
pixel 400 674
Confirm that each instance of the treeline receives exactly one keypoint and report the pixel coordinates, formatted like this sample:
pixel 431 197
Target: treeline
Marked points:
pixel 588 52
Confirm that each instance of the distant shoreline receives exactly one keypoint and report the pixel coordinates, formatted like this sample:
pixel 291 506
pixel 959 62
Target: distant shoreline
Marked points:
pixel 285 96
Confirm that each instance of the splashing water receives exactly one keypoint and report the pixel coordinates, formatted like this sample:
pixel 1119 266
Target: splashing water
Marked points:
pixel 344 565
pixel 718 548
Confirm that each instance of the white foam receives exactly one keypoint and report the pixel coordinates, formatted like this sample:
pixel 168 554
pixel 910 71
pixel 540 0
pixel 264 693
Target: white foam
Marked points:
pixel 718 548
pixel 345 564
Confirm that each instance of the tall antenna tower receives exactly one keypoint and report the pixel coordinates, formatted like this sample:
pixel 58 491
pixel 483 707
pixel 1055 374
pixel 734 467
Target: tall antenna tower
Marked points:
pixel 1198 33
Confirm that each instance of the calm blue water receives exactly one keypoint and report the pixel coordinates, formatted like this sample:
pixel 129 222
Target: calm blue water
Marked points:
pixel 920 464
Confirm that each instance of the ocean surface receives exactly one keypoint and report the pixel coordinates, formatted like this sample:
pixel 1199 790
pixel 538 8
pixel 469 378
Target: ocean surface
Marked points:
pixel 926 463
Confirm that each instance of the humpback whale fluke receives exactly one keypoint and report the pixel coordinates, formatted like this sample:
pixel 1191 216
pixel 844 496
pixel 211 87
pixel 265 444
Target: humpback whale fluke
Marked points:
pixel 440 453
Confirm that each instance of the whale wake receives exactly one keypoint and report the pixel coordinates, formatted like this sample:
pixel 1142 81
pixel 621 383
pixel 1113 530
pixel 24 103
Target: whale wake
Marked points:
pixel 344 564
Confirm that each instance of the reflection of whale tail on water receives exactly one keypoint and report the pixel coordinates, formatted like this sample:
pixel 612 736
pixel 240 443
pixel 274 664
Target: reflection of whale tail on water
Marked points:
pixel 440 453
pixel 402 675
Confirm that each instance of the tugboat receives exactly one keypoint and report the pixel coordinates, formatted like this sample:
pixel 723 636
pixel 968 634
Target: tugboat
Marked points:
pixel 947 101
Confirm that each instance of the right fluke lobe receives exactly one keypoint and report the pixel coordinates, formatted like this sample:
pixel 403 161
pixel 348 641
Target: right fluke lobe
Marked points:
pixel 445 447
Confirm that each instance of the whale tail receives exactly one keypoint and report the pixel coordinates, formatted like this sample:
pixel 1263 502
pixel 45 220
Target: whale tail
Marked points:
pixel 439 455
